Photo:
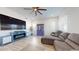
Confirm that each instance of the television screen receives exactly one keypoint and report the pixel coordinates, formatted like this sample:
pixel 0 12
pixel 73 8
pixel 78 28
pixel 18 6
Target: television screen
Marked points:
pixel 10 23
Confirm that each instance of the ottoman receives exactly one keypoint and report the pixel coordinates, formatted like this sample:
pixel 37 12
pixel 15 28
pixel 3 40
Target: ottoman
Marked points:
pixel 47 41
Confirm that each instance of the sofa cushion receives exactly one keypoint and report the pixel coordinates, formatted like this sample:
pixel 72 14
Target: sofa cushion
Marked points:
pixel 74 37
pixel 56 34
pixel 50 37
pixel 56 38
pixel 63 36
pixel 75 46
pixel 62 46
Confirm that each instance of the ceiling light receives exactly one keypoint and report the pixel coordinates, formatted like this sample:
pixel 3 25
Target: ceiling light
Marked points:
pixel 35 9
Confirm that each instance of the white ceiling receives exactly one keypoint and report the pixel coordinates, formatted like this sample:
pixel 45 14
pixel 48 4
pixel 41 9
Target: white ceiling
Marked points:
pixel 51 11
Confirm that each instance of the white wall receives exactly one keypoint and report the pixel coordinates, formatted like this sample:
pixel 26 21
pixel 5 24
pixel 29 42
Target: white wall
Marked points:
pixel 50 24
pixel 68 21
pixel 7 11
pixel 72 17
pixel 62 23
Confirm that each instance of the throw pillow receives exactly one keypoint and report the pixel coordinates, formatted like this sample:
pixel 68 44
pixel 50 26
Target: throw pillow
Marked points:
pixel 64 35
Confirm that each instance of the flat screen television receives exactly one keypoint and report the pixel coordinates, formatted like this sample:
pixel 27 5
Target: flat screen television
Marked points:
pixel 10 23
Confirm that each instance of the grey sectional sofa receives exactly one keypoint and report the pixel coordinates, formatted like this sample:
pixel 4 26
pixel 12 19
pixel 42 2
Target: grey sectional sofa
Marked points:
pixel 63 42
pixel 69 44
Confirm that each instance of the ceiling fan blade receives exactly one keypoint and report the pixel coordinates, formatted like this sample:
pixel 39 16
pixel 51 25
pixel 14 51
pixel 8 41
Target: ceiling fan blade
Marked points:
pixel 43 9
pixel 39 12
pixel 35 7
pixel 27 8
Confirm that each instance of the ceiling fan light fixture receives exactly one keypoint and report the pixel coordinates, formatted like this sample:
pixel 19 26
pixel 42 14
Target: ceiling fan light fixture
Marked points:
pixel 35 9
pixel 38 10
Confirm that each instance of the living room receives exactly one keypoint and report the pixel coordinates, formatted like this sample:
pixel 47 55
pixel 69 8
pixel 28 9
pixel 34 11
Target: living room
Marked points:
pixel 53 19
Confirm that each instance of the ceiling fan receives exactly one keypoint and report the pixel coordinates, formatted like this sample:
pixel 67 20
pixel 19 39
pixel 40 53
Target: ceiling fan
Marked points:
pixel 36 10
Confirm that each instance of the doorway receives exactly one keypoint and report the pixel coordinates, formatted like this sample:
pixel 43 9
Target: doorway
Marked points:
pixel 40 29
